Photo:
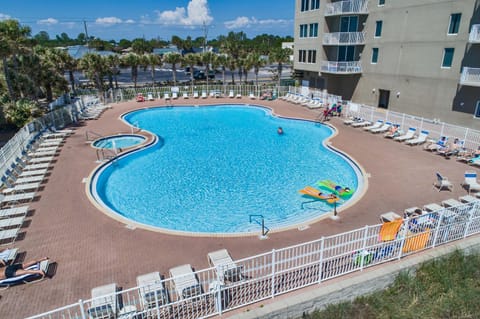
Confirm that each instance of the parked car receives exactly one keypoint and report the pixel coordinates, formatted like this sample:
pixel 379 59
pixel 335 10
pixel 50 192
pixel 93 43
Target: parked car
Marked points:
pixel 200 75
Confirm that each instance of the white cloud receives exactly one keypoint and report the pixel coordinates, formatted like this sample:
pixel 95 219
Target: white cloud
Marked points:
pixel 246 22
pixel 49 21
pixel 129 21
pixel 196 13
pixel 4 16
pixel 108 21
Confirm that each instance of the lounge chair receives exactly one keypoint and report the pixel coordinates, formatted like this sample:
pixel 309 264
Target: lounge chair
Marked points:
pixel 8 255
pixel 385 127
pixel 407 136
pixel 252 96
pixel 195 95
pixel 471 182
pixel 15 198
pixel 152 291
pixel 185 95
pixel 8 235
pixel 225 266
pixel 12 189
pixel 442 182
pixel 361 123
pixel 186 284
pixel 389 217
pixel 422 138
pixel 13 211
pixel 14 222
pixel 231 94
pixel 104 302
pixel 150 97
pixel 27 278
pixel 435 146
pixel 238 96
pixel 376 125
pixel 204 95
pixel 166 96
pixel 174 95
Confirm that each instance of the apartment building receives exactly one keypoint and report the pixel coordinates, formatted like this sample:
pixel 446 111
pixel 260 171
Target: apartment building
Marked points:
pixel 420 57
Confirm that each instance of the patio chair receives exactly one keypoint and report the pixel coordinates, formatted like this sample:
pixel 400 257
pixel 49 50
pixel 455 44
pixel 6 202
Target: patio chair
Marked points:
pixel 195 95
pixel 8 235
pixel 385 127
pixel 15 198
pixel 8 256
pixel 174 95
pixel 166 97
pixel 470 182
pixel 185 282
pixel 104 302
pixel 150 97
pixel 407 136
pixel 226 268
pixel 14 188
pixel 422 138
pixel 204 95
pixel 185 95
pixel 231 94
pixel 252 96
pixel 152 291
pixel 238 96
pixel 27 278
pixel 13 211
pixel 376 125
pixel 442 182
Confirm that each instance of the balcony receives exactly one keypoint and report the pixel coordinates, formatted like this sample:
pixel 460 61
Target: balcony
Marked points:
pixel 346 7
pixel 474 34
pixel 470 77
pixel 336 67
pixel 344 38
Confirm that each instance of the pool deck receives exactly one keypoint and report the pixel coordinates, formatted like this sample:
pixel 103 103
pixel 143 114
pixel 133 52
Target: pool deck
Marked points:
pixel 91 249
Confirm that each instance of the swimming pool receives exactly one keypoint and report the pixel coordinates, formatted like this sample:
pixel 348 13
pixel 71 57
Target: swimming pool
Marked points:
pixel 213 167
pixel 118 141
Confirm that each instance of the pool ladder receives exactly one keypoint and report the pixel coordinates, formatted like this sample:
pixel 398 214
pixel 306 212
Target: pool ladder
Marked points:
pixel 91 135
pixel 106 154
pixel 265 229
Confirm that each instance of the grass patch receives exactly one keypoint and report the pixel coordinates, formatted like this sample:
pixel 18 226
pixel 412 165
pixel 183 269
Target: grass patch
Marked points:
pixel 447 287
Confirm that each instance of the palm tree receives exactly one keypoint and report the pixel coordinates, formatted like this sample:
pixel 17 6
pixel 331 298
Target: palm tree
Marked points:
pixel 280 56
pixel 69 64
pixel 221 61
pixel 207 59
pixel 113 63
pixel 95 68
pixel 13 40
pixel 154 60
pixel 190 60
pixel 232 66
pixel 173 59
pixel 132 60
pixel 256 62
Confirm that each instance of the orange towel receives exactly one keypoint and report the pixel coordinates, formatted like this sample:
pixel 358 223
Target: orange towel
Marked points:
pixel 417 241
pixel 389 230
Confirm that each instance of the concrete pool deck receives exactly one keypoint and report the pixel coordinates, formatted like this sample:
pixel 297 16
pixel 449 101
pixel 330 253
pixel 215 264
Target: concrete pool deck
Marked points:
pixel 91 249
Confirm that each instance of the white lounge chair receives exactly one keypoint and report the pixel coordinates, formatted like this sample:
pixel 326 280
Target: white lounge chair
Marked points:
pixel 435 146
pixel 166 97
pixel 8 255
pixel 385 127
pixel 104 302
pixel 195 95
pixel 174 95
pixel 470 182
pixel 376 125
pixel 152 291
pixel 14 222
pixel 407 136
pixel 252 96
pixel 442 182
pixel 185 95
pixel 225 266
pixel 8 235
pixel 13 211
pixel 238 96
pixel 422 138
pixel 11 189
pixel 361 123
pixel 204 95
pixel 16 198
pixel 186 284
pixel 150 97
pixel 231 94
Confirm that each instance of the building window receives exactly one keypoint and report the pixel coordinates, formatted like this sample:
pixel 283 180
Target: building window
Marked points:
pixel 315 4
pixel 313 30
pixel 447 57
pixel 374 55
pixel 302 56
pixel 454 23
pixel 381 2
pixel 378 29
pixel 304 6
pixel 303 30
pixel 312 56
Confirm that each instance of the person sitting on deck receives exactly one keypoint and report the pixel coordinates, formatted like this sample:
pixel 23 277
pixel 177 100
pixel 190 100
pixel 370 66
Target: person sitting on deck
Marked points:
pixel 13 270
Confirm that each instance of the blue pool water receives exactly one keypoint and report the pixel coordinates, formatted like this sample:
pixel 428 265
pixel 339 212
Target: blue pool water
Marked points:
pixel 213 167
pixel 120 141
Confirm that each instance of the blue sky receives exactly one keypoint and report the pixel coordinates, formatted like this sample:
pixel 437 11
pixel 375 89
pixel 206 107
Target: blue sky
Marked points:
pixel 116 19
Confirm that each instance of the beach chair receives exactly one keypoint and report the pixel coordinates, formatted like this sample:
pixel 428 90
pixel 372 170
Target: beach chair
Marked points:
pixel 252 96
pixel 410 134
pixel 204 95
pixel 435 146
pixel 238 96
pixel 8 235
pixel 150 97
pixel 185 282
pixel 185 95
pixel 174 95
pixel 8 255
pixel 389 217
pixel 385 127
pixel 442 182
pixel 166 97
pixel 231 94
pixel 361 123
pixel 470 182
pixel 104 302
pixel 225 266
pixel 152 291
pixel 195 95
pixel 422 138
pixel 13 222
pixel 376 125
pixel 15 198
pixel 27 278
pixel 13 189
pixel 13 211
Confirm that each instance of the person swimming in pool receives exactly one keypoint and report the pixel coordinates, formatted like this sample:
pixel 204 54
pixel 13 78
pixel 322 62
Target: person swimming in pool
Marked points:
pixel 280 130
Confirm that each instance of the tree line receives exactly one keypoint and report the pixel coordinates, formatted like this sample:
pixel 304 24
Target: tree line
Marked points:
pixel 35 69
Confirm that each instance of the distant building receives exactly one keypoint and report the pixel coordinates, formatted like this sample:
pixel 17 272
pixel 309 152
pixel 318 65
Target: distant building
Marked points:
pixel 419 57
pixel 78 51
pixel 289 45
pixel 169 49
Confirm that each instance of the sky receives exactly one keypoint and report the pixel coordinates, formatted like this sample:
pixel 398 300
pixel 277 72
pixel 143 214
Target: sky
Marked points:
pixel 129 19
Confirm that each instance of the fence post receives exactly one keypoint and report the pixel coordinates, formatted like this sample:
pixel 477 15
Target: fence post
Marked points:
pixel 320 261
pixel 442 129
pixel 421 124
pixel 82 311
pixel 465 137
pixel 364 245
pixel 403 120
pixel 273 273
pixel 437 230
pixel 470 217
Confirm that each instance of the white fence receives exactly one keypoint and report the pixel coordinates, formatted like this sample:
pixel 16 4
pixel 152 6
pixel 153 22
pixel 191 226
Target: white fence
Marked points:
pixel 436 129
pixel 215 290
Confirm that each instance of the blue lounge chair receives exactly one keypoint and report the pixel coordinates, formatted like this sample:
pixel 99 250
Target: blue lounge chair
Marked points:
pixel 27 278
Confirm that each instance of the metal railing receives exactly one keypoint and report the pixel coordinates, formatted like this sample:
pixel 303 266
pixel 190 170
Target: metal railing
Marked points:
pixel 341 67
pixel 470 76
pixel 344 38
pixel 435 128
pixel 346 7
pixel 474 34
pixel 250 280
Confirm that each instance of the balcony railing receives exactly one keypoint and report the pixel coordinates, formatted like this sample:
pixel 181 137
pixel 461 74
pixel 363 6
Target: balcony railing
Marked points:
pixel 475 34
pixel 470 77
pixel 336 67
pixel 347 7
pixel 344 38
